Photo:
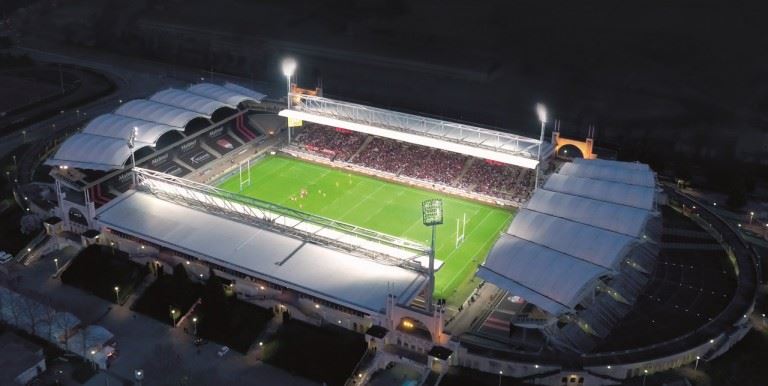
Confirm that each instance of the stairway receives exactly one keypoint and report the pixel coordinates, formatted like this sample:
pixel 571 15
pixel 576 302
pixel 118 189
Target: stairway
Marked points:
pixel 368 140
pixel 464 170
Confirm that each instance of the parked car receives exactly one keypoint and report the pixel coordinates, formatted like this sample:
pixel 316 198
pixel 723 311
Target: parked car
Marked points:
pixel 224 350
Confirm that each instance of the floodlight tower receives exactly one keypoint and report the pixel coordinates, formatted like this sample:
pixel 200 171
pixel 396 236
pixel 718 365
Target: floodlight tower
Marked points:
pixel 289 67
pixel 541 111
pixel 432 214
pixel 131 144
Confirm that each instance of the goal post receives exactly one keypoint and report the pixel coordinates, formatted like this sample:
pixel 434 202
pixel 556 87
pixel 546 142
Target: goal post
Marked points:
pixel 461 230
pixel 245 173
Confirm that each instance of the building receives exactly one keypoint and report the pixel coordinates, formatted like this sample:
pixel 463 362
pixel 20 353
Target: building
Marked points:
pixel 21 360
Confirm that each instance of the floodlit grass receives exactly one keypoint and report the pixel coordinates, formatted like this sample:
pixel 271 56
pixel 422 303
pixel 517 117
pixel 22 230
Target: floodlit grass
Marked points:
pixel 383 206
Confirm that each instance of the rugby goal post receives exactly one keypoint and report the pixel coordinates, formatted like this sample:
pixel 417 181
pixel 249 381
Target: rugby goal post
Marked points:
pixel 461 228
pixel 245 175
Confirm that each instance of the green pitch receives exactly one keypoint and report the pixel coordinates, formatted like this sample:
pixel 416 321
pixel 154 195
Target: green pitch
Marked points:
pixel 382 206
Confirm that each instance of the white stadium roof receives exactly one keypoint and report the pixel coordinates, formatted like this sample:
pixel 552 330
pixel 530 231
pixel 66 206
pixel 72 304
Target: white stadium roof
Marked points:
pixel 326 273
pixel 565 238
pixel 244 91
pixel 615 192
pixel 96 152
pixel 602 171
pixel 158 112
pixel 189 101
pixel 606 215
pixel 118 126
pixel 451 136
pixel 223 94
pixel 102 145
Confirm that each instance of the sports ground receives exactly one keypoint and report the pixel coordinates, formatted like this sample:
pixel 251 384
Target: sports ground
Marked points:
pixel 382 206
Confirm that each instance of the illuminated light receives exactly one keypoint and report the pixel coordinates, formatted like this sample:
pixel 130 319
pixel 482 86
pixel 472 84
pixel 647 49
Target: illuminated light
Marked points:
pixel 261 287
pixel 187 262
pixel 317 306
pixel 339 321
pixel 142 247
pixel 289 66
pixel 541 111
pixel 711 341
pixel 455 147
pixel 407 324
pixel 609 366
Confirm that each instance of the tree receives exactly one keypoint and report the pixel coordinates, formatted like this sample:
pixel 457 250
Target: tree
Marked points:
pixel 180 274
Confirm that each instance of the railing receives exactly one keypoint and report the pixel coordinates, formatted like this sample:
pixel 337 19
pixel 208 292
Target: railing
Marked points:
pixel 414 124
pixel 286 220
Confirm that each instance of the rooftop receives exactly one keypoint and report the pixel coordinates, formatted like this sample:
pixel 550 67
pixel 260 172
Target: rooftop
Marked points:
pixel 326 273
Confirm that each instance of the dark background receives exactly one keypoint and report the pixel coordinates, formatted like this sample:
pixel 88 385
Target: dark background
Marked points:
pixel 678 84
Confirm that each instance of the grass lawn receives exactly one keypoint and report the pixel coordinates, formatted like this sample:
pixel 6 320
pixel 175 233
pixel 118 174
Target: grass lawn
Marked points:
pixel 383 206
pixel 238 327
pixel 165 293
pixel 323 354
pixel 98 269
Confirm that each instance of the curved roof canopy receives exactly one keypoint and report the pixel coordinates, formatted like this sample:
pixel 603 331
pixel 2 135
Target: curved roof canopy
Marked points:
pixel 103 143
pixel 158 112
pixel 222 94
pixel 189 101
pixel 245 91
pixel 609 191
pixel 565 239
pixel 119 126
pixel 88 151
pixel 601 171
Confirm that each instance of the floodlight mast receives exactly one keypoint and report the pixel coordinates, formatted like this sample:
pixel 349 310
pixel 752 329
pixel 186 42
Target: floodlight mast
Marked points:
pixel 289 67
pixel 432 214
pixel 541 111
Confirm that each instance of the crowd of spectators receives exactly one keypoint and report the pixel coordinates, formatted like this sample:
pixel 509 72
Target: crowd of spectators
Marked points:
pixel 428 164
pixel 499 180
pixel 382 154
pixel 441 166
pixel 337 144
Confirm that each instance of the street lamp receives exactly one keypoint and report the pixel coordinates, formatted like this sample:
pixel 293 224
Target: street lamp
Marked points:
pixel 541 111
pixel 194 322
pixel 173 316
pixel 751 216
pixel 500 374
pixel 697 363
pixel 56 261
pixel 117 295
pixel 289 67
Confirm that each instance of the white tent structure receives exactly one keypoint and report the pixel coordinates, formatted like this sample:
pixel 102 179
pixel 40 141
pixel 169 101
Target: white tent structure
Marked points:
pixel 228 95
pixel 590 230
pixel 158 112
pixel 103 143
pixel 121 127
pixel 95 152
pixel 189 101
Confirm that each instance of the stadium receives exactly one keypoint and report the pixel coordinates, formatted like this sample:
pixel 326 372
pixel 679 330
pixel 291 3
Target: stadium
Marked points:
pixel 562 272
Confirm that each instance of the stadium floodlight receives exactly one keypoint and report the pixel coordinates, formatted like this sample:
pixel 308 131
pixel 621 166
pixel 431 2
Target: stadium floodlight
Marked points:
pixel 541 111
pixel 432 214
pixel 289 67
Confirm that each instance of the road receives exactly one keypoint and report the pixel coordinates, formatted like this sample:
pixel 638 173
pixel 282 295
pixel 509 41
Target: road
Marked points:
pixel 141 340
pixel 134 78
